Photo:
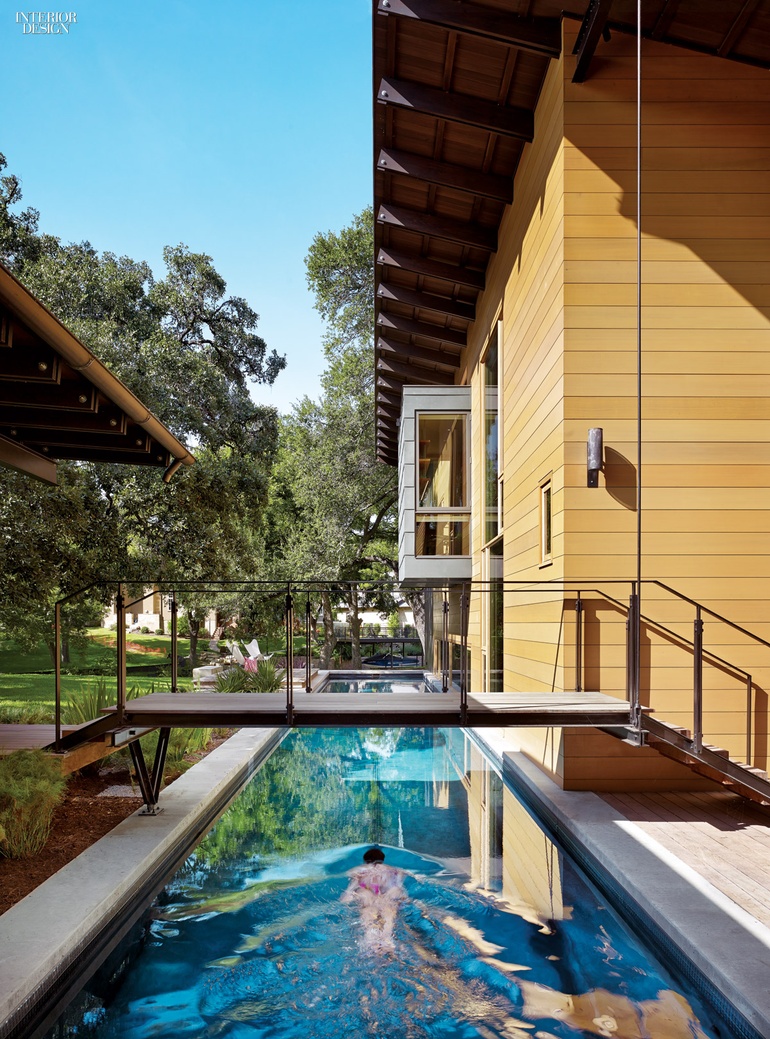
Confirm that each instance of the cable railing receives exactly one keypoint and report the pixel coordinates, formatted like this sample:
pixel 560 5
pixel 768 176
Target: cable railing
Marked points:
pixel 583 640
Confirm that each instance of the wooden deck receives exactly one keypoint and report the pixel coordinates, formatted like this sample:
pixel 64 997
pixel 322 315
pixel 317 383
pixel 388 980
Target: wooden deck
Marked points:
pixel 25 737
pixel 722 836
pixel 354 709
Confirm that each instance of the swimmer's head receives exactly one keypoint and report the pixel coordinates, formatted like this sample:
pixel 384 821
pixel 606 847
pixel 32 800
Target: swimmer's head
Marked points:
pixel 374 855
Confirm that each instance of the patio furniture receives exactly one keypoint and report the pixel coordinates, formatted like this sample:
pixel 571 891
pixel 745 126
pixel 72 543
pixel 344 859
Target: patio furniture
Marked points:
pixel 206 676
pixel 254 652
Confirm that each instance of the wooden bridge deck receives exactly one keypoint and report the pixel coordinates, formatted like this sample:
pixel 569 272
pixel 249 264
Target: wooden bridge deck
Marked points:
pixel 318 709
pixel 362 708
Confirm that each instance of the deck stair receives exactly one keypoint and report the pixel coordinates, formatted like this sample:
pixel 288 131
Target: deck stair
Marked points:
pixel 708 761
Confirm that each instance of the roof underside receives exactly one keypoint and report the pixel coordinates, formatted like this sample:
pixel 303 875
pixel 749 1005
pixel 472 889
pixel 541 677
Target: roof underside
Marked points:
pixel 58 402
pixel 456 85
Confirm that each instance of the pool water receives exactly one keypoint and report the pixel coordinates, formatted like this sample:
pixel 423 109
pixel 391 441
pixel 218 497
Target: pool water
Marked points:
pixel 373 685
pixel 499 935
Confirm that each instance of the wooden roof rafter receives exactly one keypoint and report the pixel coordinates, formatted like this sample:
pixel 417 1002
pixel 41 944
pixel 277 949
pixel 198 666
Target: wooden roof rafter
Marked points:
pixel 57 401
pixel 395 348
pixel 536 35
pixel 591 30
pixel 457 108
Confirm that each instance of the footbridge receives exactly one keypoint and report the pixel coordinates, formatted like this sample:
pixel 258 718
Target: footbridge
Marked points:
pixel 611 667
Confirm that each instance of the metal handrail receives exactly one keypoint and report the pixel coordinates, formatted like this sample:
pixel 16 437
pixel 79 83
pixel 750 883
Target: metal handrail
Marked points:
pixel 579 587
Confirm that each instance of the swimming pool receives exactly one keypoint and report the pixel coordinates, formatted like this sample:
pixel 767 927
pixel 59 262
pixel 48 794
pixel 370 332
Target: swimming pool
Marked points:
pixel 371 683
pixel 499 934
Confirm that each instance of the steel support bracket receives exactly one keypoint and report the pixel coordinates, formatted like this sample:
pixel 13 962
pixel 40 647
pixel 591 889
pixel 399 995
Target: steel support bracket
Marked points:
pixel 151 782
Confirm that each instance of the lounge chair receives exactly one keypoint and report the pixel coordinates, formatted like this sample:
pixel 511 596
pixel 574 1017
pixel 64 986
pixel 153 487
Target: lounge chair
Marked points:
pixel 254 652
pixel 236 655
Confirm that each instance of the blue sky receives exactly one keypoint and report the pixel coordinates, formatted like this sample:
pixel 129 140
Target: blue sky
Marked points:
pixel 240 130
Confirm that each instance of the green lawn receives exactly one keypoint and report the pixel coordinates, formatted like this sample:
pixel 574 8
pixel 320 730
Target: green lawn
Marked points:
pixel 20 687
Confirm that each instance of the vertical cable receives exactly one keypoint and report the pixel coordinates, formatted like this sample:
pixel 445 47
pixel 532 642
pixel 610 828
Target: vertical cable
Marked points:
pixel 638 618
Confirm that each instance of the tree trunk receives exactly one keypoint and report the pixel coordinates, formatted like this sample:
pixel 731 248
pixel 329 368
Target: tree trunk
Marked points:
pixel 355 631
pixel 416 600
pixel 329 637
pixel 195 628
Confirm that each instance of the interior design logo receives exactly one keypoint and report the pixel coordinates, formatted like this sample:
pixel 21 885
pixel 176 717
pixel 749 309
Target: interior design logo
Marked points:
pixel 46 23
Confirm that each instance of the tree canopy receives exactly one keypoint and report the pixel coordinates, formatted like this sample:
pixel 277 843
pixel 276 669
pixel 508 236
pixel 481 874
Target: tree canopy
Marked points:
pixel 190 352
pixel 332 501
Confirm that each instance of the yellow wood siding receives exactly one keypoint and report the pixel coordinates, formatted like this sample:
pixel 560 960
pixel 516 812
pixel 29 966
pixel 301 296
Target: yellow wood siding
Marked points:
pixel 706 376
pixel 565 278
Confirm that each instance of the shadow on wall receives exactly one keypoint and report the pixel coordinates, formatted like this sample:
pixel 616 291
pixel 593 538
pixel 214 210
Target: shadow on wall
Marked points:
pixel 620 478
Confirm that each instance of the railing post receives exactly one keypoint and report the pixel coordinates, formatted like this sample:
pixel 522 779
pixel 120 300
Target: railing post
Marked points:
pixel 289 656
pixel 445 643
pixel 120 613
pixel 578 643
pixel 749 719
pixel 464 607
pixel 57 672
pixel 307 644
pixel 632 656
pixel 697 707
pixel 174 644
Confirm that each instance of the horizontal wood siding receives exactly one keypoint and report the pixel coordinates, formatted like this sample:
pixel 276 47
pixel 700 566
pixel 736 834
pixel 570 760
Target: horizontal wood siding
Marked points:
pixel 526 280
pixel 705 368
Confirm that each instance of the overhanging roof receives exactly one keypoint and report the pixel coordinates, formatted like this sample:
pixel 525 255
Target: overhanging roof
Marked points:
pixel 58 401
pixel 455 89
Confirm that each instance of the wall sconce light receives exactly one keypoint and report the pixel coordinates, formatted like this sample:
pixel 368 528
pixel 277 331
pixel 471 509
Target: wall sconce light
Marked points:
pixel 595 447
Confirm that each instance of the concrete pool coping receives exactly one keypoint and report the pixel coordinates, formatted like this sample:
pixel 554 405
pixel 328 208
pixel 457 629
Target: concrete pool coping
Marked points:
pixel 726 944
pixel 47 932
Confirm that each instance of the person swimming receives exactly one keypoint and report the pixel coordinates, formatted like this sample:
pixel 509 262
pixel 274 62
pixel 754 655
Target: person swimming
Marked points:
pixel 376 889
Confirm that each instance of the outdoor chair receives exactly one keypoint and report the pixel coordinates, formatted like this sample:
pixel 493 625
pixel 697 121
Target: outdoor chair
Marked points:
pixel 254 652
pixel 236 655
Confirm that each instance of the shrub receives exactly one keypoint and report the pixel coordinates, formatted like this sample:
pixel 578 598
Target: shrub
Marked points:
pixel 145 630
pixel 268 678
pixel 88 703
pixel 264 678
pixel 159 631
pixel 31 786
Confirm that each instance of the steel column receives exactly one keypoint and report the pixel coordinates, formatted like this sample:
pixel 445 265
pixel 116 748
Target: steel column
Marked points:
pixel 151 782
pixel 578 644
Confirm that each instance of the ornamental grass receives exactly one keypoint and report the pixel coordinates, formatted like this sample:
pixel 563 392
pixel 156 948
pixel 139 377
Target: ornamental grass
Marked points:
pixel 31 786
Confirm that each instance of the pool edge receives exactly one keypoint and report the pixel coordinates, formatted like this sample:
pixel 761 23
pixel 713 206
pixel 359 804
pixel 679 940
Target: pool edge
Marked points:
pixel 726 949
pixel 88 904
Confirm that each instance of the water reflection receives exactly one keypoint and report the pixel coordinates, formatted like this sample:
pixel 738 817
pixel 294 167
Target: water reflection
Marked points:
pixel 496 933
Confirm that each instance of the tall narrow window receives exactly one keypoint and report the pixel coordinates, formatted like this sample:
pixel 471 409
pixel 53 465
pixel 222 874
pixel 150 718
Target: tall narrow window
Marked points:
pixel 491 440
pixel 494 618
pixel 546 523
pixel 442 523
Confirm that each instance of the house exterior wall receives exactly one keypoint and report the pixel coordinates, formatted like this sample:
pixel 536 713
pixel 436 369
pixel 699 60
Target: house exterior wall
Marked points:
pixel 564 284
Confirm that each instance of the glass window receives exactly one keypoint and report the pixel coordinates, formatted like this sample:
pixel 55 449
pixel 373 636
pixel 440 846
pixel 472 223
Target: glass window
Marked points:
pixel 493 678
pixel 442 522
pixel 437 535
pixel 442 481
